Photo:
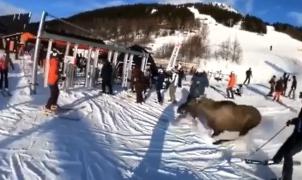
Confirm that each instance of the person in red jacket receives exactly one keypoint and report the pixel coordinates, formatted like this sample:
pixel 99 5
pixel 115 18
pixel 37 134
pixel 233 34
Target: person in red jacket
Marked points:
pixel 53 79
pixel 279 88
pixel 231 85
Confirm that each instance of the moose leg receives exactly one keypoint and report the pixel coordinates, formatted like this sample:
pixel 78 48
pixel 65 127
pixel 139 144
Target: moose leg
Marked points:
pixel 243 132
pixel 216 133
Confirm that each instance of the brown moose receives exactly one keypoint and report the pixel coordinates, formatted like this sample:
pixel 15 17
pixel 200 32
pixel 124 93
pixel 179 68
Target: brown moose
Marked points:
pixel 223 115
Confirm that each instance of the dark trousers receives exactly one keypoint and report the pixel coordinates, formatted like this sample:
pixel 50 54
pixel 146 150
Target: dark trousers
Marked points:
pixel 272 89
pixel 291 146
pixel 284 89
pixel 3 74
pixel 292 90
pixel 247 80
pixel 107 83
pixel 159 96
pixel 54 95
pixel 230 93
pixel 139 95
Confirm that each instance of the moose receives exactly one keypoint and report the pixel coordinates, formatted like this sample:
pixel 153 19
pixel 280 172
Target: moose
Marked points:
pixel 222 115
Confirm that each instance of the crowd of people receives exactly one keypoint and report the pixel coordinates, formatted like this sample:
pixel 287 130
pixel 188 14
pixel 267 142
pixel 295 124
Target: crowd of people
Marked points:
pixel 278 87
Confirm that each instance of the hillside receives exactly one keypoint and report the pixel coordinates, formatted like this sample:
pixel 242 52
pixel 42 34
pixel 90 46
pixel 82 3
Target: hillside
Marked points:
pixel 111 137
pixel 285 55
pixel 138 23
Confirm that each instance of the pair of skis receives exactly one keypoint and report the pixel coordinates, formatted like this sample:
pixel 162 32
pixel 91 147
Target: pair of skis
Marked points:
pixel 63 113
pixel 267 162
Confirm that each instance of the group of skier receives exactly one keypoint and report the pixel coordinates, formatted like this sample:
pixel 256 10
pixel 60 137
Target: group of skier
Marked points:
pixel 171 80
pixel 278 87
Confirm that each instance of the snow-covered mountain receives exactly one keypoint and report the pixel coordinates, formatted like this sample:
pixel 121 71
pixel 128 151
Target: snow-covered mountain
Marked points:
pixel 284 57
pixel 113 138
pixel 224 6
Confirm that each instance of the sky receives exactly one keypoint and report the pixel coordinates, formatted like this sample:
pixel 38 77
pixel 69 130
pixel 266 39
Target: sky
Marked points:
pixel 287 11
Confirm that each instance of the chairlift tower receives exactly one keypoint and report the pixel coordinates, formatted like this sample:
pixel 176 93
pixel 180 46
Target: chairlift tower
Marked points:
pixel 174 56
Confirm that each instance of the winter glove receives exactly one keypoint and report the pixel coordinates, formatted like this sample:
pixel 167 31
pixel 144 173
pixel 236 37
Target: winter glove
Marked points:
pixel 288 122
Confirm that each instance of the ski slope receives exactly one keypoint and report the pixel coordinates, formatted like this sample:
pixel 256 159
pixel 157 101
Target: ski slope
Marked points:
pixel 115 138
pixel 112 137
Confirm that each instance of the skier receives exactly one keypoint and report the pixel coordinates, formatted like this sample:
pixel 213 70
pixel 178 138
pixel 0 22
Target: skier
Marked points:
pixel 160 78
pixel 278 90
pixel 231 85
pixel 272 82
pixel 248 76
pixel 293 88
pixel 173 85
pixel 106 75
pixel 199 83
pixel 53 79
pixel 285 81
pixel 292 146
pixel 181 75
pixel 138 83
pixel 5 61
pixel 239 90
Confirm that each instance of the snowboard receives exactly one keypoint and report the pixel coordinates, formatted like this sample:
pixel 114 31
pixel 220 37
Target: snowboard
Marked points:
pixel 267 163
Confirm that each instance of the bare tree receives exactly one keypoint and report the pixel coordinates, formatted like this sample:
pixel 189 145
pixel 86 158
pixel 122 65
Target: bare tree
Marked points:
pixel 197 46
pixel 229 50
pixel 224 50
pixel 165 51
pixel 236 51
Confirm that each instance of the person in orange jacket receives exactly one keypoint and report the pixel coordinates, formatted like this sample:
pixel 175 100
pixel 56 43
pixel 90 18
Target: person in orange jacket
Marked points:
pixel 231 85
pixel 53 79
pixel 5 62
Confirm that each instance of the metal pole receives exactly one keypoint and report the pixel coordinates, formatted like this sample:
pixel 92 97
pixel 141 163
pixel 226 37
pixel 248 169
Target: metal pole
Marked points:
pixel 66 64
pixel 36 55
pixel 88 68
pixel 74 69
pixel 124 81
pixel 47 62
pixel 260 147
pixel 129 69
pixel 94 66
pixel 115 56
pixel 109 56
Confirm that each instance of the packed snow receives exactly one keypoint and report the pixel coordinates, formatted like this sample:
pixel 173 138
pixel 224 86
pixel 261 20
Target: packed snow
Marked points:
pixel 112 137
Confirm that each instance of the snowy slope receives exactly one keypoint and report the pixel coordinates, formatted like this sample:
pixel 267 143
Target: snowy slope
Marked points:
pixel 285 56
pixel 112 137
pixel 119 139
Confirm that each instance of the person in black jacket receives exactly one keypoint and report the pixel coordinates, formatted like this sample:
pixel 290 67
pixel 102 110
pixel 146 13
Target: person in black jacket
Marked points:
pixel 292 146
pixel 285 81
pixel 106 75
pixel 272 83
pixel 293 88
pixel 160 78
pixel 248 76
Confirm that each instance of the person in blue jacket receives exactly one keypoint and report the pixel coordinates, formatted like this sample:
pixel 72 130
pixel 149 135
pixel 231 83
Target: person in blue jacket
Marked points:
pixel 292 146
pixel 199 83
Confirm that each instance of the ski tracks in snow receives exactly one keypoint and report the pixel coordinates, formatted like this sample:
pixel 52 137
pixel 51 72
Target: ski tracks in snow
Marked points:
pixel 113 137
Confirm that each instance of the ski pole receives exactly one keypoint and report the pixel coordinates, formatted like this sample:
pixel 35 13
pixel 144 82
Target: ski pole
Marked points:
pixel 260 147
